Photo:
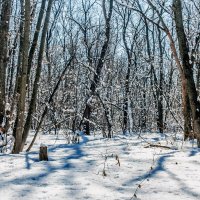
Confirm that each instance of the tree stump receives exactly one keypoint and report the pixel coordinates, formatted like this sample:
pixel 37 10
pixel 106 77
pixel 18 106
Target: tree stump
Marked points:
pixel 43 155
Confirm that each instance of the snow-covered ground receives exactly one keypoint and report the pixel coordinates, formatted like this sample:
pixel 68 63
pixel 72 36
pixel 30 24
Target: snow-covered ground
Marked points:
pixel 103 169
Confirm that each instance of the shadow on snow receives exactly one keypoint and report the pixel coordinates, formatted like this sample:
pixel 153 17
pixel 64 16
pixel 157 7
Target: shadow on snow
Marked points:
pixel 35 178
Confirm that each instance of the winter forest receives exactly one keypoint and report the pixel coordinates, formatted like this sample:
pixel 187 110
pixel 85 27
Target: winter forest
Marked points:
pixel 99 99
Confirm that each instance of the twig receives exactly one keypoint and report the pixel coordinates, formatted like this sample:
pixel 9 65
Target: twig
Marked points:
pixel 157 145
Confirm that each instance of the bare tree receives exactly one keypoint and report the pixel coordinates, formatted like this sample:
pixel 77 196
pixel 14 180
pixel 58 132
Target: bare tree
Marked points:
pixel 24 49
pixel 37 76
pixel 187 68
pixel 4 37
pixel 100 64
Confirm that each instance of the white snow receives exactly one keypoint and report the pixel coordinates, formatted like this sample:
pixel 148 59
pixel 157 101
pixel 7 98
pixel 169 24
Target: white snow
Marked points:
pixel 75 171
pixel 6 143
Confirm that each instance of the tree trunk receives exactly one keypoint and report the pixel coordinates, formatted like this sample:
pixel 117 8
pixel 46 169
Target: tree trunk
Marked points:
pixel 181 67
pixel 187 69
pixel 35 39
pixel 87 114
pixel 129 56
pixel 37 77
pixel 100 63
pixel 18 129
pixel 4 28
pixel 160 122
pixel 43 155
pixel 186 109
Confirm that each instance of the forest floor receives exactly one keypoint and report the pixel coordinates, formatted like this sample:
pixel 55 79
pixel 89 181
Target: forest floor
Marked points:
pixel 103 169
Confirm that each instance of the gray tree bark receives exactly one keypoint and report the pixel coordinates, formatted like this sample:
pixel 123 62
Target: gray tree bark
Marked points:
pixel 19 123
pixel 187 69
pixel 37 76
pixel 4 35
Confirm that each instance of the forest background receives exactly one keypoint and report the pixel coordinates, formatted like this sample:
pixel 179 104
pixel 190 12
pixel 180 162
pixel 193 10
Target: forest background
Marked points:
pixel 117 65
